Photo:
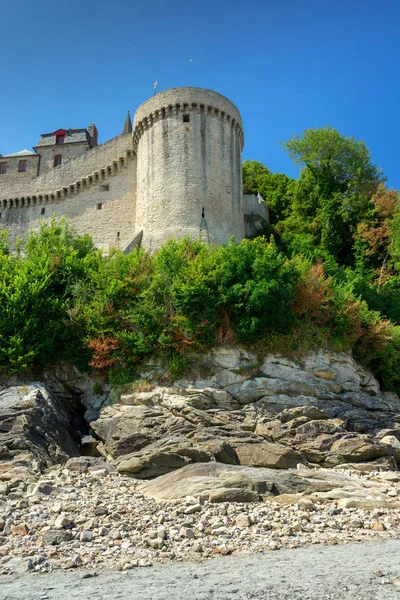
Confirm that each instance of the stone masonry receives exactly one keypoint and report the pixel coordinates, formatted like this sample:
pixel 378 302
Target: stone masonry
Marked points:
pixel 176 172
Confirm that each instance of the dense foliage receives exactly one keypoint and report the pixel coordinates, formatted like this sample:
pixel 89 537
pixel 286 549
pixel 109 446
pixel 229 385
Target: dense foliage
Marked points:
pixel 328 276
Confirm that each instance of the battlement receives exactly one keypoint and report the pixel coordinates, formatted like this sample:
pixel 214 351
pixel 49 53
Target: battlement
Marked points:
pixel 97 177
pixel 67 179
pixel 186 101
pixel 175 172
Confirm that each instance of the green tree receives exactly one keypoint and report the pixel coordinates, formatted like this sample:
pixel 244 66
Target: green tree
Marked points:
pixel 338 163
pixel 275 188
pixel 334 190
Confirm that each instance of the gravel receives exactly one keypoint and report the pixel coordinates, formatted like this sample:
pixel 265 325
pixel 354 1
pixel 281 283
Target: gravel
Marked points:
pixel 367 571
pixel 103 521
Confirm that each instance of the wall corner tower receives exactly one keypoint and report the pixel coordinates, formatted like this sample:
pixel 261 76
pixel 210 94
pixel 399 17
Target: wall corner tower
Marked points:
pixel 189 173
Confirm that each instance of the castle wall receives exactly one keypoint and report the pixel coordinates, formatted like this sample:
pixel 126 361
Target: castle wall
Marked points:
pixel 188 143
pixel 67 151
pixel 256 215
pixel 69 172
pixel 184 167
pixel 12 178
pixel 117 213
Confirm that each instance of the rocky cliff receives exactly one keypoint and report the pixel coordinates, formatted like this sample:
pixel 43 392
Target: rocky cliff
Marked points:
pixel 322 410
pixel 246 454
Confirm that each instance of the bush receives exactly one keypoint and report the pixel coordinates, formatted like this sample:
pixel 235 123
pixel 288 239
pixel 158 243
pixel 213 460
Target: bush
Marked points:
pixel 60 299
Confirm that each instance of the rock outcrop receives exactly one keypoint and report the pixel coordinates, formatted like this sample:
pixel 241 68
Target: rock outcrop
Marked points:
pixel 34 430
pixel 216 482
pixel 324 410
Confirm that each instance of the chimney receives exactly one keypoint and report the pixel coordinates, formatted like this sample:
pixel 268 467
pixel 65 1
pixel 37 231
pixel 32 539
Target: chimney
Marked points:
pixel 94 134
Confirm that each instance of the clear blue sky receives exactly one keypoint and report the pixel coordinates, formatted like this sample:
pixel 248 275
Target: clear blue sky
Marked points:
pixel 287 64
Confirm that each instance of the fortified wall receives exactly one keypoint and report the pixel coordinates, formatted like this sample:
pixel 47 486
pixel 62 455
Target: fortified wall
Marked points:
pixel 176 172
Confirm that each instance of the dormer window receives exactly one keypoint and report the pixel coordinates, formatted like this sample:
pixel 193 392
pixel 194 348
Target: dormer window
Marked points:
pixel 57 160
pixel 3 168
pixel 60 136
pixel 22 166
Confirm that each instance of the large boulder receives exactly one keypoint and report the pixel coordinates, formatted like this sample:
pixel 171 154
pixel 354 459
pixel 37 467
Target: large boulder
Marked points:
pixel 34 429
pixel 358 448
pixel 173 453
pixel 214 480
pixel 273 456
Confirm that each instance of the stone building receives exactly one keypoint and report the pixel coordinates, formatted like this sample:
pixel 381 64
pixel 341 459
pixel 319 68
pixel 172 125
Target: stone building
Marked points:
pixel 176 171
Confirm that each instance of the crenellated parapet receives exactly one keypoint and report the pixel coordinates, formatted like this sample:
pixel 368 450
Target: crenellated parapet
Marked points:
pixel 96 178
pixel 182 101
pixel 188 143
pixel 177 109
pixel 175 172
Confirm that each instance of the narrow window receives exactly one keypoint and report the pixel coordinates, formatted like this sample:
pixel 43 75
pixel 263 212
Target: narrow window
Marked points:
pixel 117 235
pixel 57 160
pixel 60 139
pixel 42 211
pixel 3 168
pixel 22 166
pixel 99 206
pixel 186 118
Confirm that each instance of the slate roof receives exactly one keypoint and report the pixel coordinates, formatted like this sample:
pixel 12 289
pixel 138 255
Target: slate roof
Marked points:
pixel 72 136
pixel 128 124
pixel 24 152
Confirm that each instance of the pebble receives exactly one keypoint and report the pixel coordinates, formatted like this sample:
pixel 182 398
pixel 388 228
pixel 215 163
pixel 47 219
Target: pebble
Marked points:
pixel 105 522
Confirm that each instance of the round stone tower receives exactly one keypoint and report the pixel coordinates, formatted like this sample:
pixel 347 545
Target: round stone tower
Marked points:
pixel 189 170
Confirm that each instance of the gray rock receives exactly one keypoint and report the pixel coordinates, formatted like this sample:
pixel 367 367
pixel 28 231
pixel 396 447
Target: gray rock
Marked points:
pixel 243 521
pixel 56 537
pixel 83 464
pixel 311 413
pixel 210 480
pixel 152 465
pixel 233 494
pixel 34 427
pixel 365 503
pixel 86 536
pixel 273 456
pixel 358 448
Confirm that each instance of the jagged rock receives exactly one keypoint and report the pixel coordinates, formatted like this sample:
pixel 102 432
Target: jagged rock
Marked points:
pixel 386 463
pixel 313 429
pixel 170 454
pixel 152 465
pixel 69 386
pixel 34 428
pixel 201 479
pixel 318 409
pixel 273 456
pixel 311 413
pixel 388 432
pixel 394 445
pixel 365 503
pixel 273 412
pixel 358 448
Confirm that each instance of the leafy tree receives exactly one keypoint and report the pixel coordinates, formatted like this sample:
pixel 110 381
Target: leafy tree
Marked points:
pixel 338 163
pixel 344 179
pixel 275 188
pixel 376 237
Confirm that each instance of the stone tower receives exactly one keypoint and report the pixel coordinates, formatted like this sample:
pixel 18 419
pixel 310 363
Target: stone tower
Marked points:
pixel 188 143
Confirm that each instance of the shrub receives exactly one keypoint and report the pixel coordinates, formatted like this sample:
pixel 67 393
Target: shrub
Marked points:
pixel 61 299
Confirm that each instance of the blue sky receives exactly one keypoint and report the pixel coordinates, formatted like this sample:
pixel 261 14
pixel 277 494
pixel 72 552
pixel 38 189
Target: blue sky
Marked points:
pixel 288 65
